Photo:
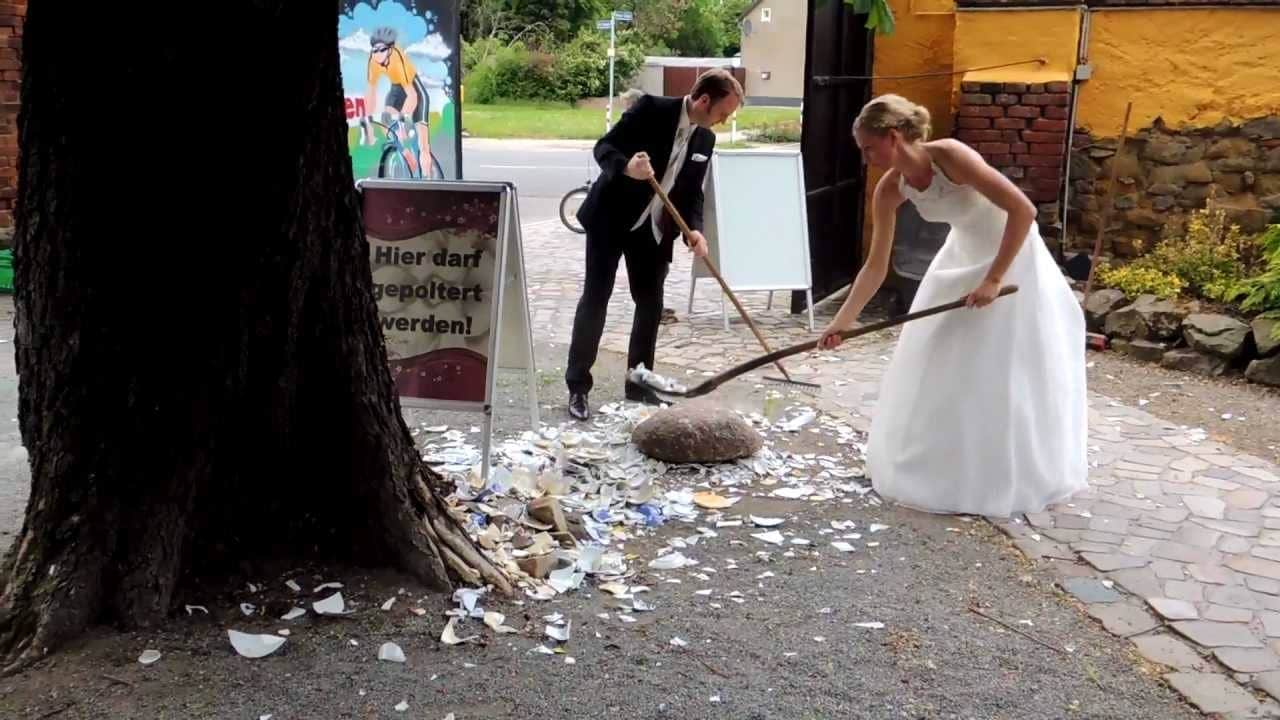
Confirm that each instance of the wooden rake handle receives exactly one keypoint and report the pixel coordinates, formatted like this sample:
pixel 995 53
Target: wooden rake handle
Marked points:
pixel 848 334
pixel 716 381
pixel 686 230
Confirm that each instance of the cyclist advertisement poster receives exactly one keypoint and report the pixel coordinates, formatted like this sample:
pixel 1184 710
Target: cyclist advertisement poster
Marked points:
pixel 400 78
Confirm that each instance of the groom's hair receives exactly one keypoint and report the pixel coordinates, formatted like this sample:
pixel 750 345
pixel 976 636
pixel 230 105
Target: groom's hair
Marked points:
pixel 718 84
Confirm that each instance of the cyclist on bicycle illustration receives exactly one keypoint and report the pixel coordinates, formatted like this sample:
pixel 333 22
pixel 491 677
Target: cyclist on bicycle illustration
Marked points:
pixel 407 98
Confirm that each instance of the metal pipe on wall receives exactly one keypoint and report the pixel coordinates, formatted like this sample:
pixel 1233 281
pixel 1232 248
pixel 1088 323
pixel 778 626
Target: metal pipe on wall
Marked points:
pixel 1082 61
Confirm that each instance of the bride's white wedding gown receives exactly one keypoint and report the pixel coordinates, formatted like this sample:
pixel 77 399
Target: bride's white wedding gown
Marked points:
pixel 983 411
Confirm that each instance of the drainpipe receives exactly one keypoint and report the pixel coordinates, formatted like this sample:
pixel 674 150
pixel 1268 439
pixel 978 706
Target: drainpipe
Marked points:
pixel 1083 71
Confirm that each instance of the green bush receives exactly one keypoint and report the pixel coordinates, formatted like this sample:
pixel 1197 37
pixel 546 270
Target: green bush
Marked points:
pixel 1261 293
pixel 787 131
pixel 1209 257
pixel 511 72
pixel 1134 280
pixel 475 53
pixel 582 66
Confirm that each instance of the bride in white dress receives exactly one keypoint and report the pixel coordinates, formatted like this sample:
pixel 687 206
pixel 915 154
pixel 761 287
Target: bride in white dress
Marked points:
pixel 982 410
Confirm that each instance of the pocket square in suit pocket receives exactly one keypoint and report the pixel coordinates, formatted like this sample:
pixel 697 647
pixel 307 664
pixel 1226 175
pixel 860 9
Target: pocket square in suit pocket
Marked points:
pixel 699 157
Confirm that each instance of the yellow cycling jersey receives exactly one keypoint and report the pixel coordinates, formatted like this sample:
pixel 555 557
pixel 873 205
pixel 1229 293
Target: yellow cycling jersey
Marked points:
pixel 398 69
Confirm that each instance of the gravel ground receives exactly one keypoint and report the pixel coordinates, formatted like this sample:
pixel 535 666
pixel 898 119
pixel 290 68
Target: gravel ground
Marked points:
pixel 790 649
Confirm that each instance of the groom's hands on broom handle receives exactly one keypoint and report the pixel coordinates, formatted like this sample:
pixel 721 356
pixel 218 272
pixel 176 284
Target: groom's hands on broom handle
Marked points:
pixel 639 167
pixel 696 243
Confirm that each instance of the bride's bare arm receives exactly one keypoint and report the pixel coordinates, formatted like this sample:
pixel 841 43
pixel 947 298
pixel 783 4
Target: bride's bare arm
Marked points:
pixel 965 166
pixel 884 207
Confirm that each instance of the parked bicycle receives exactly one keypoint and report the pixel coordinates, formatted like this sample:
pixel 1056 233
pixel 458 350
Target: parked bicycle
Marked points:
pixel 573 200
pixel 393 163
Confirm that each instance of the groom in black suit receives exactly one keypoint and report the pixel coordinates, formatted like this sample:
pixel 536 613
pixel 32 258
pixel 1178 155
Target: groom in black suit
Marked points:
pixel 669 139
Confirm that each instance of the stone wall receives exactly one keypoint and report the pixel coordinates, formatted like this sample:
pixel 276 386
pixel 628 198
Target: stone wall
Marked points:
pixel 1021 129
pixel 1166 172
pixel 12 16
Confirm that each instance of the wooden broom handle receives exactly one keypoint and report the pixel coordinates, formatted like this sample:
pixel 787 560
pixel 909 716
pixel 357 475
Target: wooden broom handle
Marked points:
pixel 686 230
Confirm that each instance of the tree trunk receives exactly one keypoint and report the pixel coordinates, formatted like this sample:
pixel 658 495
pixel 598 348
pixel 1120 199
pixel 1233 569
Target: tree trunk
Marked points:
pixel 202 378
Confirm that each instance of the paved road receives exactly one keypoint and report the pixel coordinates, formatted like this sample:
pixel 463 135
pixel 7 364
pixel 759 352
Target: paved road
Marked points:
pixel 543 171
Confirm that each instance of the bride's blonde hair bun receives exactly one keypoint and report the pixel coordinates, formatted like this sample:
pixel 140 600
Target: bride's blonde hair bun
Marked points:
pixel 894 112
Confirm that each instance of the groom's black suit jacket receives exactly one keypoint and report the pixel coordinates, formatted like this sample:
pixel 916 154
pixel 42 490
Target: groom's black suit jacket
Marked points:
pixel 615 201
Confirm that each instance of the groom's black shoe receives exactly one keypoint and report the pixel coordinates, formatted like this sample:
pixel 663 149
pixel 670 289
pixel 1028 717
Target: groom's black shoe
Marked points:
pixel 639 393
pixel 578 406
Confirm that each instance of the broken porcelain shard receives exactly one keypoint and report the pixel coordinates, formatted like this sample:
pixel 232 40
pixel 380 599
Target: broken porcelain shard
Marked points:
pixel 333 605
pixel 449 636
pixel 391 652
pixel 559 632
pixel 495 620
pixel 565 579
pixel 254 646
pixel 714 501
pixel 641 375
pixel 294 613
pixel 773 537
pixel 468 597
pixel 794 493
pixel 671 561
pixel 804 417
pixel 149 656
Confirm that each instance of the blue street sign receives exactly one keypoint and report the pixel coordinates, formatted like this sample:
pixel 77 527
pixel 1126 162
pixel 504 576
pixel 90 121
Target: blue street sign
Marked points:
pixel 623 15
pixel 604 24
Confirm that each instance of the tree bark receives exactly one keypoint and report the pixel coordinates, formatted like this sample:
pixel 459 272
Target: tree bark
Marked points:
pixel 202 380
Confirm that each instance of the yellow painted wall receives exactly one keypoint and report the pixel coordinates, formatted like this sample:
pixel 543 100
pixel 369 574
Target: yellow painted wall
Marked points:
pixel 1192 66
pixel 985 38
pixel 922 42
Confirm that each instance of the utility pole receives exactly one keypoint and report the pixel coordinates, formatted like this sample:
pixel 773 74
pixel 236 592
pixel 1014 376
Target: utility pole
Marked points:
pixel 615 17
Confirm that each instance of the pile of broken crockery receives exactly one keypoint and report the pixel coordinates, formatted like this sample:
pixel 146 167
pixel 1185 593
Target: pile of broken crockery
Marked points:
pixel 560 504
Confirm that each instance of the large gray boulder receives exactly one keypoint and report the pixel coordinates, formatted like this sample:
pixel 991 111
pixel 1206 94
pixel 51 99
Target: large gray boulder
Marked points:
pixel 1263 329
pixel 1100 304
pixel 696 432
pixel 1264 372
pixel 1148 318
pixel 1194 362
pixel 1217 335
pixel 1144 350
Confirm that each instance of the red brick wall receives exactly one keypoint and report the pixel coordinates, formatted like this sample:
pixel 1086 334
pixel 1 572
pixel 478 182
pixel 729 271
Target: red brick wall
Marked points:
pixel 1021 129
pixel 12 15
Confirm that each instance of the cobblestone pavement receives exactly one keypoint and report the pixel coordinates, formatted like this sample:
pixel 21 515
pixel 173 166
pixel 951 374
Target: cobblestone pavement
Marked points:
pixel 1176 544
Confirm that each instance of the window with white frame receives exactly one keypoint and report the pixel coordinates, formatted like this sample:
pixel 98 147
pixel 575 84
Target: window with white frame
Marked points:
pixel 766 15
